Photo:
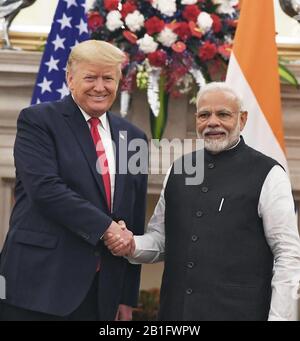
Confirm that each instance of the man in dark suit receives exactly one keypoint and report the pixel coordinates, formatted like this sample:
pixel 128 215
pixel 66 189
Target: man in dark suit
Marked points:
pixel 54 261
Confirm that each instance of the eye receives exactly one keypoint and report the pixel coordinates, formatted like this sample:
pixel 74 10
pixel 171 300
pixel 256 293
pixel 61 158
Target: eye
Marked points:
pixel 108 78
pixel 89 78
pixel 224 114
pixel 203 115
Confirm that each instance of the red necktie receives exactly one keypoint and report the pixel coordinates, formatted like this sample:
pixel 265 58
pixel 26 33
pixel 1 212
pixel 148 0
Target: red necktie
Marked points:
pixel 102 160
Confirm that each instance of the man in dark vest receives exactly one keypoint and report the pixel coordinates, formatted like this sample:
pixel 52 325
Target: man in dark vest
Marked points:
pixel 230 245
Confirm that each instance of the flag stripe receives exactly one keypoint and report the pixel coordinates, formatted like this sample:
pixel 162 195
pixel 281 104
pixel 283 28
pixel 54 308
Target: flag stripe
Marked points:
pixel 256 52
pixel 257 128
pixel 253 73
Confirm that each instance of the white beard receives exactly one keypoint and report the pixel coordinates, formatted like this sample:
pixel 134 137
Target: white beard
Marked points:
pixel 218 145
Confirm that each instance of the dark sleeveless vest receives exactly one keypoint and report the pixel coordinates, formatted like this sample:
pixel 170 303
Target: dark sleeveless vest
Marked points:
pixel 218 265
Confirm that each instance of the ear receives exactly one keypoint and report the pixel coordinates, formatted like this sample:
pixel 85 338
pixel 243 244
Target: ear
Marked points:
pixel 243 119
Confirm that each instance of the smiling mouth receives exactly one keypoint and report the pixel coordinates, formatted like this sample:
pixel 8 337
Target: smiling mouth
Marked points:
pixel 98 98
pixel 215 135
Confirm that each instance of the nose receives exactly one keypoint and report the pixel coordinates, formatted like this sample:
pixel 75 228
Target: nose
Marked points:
pixel 99 84
pixel 213 121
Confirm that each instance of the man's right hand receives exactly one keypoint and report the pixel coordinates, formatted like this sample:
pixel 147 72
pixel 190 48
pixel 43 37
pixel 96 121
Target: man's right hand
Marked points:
pixel 119 240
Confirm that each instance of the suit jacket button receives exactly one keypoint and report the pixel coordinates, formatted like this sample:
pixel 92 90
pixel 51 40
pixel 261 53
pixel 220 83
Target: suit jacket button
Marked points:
pixel 211 165
pixel 194 238
pixel 190 265
pixel 204 189
pixel 189 291
pixel 199 214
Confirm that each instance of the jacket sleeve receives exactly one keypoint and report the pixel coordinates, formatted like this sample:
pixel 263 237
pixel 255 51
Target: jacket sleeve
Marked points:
pixel 37 169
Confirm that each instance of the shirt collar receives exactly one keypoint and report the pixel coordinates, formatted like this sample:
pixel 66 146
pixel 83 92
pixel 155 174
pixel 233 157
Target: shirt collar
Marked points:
pixel 103 118
pixel 239 140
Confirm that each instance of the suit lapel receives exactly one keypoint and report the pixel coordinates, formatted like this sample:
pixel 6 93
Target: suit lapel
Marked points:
pixel 116 128
pixel 81 131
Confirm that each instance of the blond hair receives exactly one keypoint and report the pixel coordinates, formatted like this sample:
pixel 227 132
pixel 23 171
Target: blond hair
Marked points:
pixel 97 52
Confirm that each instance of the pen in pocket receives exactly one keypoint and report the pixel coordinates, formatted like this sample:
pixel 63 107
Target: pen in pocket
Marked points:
pixel 221 204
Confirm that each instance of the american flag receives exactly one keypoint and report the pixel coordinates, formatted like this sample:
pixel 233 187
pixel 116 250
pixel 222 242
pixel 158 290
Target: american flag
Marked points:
pixel 69 27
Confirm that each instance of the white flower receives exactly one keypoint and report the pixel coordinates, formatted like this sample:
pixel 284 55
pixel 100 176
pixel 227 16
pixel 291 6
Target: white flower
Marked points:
pixel 113 20
pixel 204 21
pixel 185 84
pixel 147 44
pixel 167 37
pixel 225 6
pixel 188 2
pixel 228 39
pixel 135 21
pixel 166 7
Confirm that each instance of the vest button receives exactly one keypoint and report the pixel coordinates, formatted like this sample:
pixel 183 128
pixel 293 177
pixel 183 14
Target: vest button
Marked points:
pixel 211 165
pixel 204 189
pixel 190 265
pixel 194 238
pixel 189 291
pixel 199 214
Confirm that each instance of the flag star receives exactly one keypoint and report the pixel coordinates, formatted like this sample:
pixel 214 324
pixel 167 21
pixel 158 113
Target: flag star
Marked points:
pixel 71 3
pixel 52 64
pixel 64 91
pixel 62 36
pixel 82 27
pixel 58 42
pixel 45 85
pixel 65 21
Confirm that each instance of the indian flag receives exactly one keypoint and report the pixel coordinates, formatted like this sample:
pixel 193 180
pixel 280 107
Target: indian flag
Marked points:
pixel 253 73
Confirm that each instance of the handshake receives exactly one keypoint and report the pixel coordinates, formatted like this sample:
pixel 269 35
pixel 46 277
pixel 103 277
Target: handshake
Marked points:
pixel 119 240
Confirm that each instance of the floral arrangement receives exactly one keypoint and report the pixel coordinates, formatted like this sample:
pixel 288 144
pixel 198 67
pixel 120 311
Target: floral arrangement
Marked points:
pixel 173 46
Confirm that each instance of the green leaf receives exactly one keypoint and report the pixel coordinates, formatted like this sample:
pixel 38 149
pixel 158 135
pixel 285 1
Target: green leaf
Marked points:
pixel 158 124
pixel 287 76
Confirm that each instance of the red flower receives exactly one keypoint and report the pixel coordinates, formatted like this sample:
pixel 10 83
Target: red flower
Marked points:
pixel 158 58
pixel 183 30
pixel 232 23
pixel 207 51
pixel 217 24
pixel 111 5
pixel 191 13
pixel 127 8
pixel 139 57
pixel 95 20
pixel 179 47
pixel 196 32
pixel 131 37
pixel 154 25
pixel 225 50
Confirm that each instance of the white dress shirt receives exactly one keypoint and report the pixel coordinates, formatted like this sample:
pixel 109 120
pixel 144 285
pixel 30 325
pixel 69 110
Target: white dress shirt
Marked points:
pixel 105 134
pixel 276 208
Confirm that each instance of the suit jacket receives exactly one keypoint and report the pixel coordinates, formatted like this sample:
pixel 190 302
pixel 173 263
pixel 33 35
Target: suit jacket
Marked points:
pixel 51 252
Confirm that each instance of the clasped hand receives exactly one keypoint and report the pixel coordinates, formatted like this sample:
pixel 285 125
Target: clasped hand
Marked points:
pixel 119 240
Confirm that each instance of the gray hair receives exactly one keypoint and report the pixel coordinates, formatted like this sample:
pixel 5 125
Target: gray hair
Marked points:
pixel 219 86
